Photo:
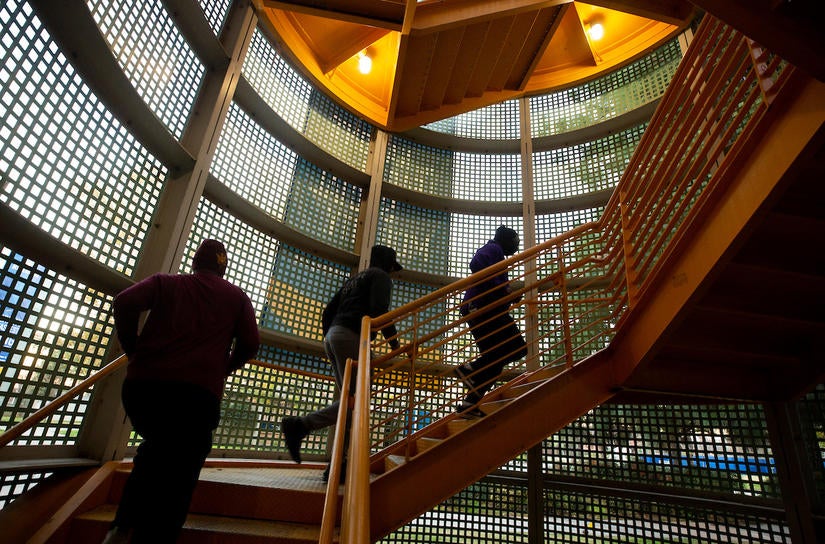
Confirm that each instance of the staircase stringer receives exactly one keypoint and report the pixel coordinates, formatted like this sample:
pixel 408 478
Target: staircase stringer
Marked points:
pixel 91 494
pixel 791 130
pixel 398 497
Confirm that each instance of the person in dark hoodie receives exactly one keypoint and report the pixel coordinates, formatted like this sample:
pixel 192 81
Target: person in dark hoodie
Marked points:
pixel 367 293
pixel 496 334
pixel 200 328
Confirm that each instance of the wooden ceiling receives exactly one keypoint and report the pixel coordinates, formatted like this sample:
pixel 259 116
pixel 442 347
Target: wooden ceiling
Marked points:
pixel 438 58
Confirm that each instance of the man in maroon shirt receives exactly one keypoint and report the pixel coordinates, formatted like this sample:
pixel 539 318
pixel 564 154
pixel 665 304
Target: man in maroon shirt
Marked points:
pixel 174 382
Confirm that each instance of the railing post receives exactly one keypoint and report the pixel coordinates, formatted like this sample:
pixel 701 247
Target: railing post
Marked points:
pixel 627 251
pixel 564 301
pixel 411 387
pixel 528 205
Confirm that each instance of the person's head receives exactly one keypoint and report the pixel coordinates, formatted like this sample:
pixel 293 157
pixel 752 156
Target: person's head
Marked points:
pixel 211 257
pixel 508 239
pixel 384 257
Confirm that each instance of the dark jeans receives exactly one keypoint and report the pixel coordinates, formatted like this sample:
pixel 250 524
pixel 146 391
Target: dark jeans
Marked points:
pixel 500 342
pixel 176 421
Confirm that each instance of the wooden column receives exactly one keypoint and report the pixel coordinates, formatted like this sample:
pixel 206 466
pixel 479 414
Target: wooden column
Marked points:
pixel 106 430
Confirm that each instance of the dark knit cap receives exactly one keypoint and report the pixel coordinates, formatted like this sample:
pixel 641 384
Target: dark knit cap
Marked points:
pixel 211 256
pixel 384 258
pixel 507 238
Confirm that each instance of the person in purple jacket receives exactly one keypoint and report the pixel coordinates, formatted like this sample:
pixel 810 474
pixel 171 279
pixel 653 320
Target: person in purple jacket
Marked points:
pixel 496 334
pixel 200 328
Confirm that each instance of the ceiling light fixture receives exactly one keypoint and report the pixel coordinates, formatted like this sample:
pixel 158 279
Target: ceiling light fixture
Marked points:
pixel 596 31
pixel 364 63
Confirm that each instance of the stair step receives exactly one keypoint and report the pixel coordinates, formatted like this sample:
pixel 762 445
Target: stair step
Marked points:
pixel 198 528
pixel 518 390
pixel 546 373
pixel 459 424
pixel 494 406
pixel 425 442
pixel 392 461
pixel 294 495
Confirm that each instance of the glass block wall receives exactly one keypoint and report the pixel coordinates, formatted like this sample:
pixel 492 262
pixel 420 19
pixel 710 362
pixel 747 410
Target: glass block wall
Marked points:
pixel 624 90
pixel 74 171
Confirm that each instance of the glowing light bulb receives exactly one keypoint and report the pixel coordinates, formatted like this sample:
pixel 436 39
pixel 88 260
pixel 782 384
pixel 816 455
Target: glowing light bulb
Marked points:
pixel 364 63
pixel 596 31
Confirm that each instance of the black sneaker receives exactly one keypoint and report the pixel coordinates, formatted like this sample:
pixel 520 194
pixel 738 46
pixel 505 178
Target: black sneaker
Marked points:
pixel 468 409
pixel 294 431
pixel 341 478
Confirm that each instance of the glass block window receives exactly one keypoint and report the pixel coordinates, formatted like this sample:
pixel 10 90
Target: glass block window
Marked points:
pixel 495 122
pixel 54 333
pixel 337 131
pixel 586 167
pixel 253 163
pixel 299 286
pixel 419 236
pixel 279 85
pixel 251 253
pixel 323 206
pixel 419 167
pixel 491 178
pixel 549 226
pixel 297 361
pixel 610 96
pixel 722 448
pixel 308 111
pixel 256 398
pixel 67 165
pixel 576 517
pixel 488 511
pixel 12 485
pixel 472 176
pixel 215 12
pixel 470 232
pixel 811 410
pixel 154 56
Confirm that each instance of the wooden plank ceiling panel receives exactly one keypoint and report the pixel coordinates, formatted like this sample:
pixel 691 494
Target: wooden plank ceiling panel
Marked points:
pixel 448 45
pixel 490 51
pixel 521 26
pixel 413 77
pixel 465 64
pixel 535 44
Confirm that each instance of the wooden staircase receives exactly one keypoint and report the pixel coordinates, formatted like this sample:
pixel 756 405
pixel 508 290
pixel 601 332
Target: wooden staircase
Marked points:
pixel 737 318
pixel 241 502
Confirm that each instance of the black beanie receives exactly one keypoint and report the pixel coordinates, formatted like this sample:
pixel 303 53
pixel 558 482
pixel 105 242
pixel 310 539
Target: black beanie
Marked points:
pixel 507 238
pixel 211 256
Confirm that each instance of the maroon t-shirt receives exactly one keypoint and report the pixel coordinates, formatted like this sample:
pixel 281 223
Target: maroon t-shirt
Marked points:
pixel 189 333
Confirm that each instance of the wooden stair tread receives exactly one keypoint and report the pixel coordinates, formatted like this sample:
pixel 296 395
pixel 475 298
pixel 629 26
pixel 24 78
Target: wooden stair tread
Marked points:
pixel 196 524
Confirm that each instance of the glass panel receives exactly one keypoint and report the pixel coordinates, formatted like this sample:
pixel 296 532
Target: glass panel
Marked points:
pixel 154 56
pixel 496 122
pixel 622 91
pixel 307 110
pixel 54 333
pixel 67 164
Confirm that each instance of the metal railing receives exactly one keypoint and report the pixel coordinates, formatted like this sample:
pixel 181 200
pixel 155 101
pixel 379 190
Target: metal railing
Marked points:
pixel 571 294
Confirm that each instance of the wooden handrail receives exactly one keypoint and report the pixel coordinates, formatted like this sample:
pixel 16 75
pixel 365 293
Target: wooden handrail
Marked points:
pixel 355 518
pixel 55 404
pixel 329 516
